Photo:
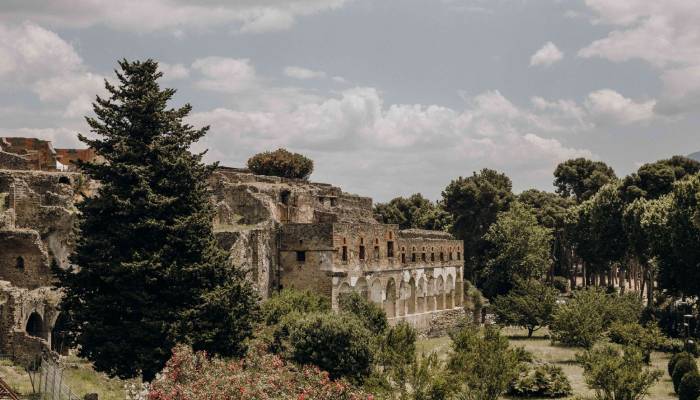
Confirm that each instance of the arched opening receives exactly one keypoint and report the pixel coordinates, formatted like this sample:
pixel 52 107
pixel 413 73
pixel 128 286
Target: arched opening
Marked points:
pixel 376 292
pixel 411 296
pixel 343 290
pixel 64 180
pixel 430 299
pixel 449 293
pixel 59 342
pixel 401 307
pixel 35 326
pixel 421 295
pixel 440 294
pixel 362 288
pixel 390 302
pixel 19 263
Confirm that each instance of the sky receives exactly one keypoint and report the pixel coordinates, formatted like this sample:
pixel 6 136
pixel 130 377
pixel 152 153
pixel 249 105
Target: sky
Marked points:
pixel 388 97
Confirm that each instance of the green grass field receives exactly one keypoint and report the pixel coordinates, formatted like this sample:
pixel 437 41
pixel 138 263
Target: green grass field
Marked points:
pixel 543 349
pixel 78 375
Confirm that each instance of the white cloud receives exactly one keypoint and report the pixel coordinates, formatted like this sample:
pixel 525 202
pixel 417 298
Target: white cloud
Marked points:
pixel 607 107
pixel 29 52
pixel 77 91
pixel 339 79
pixel 546 55
pixel 223 74
pixel 303 73
pixel 252 16
pixel 663 33
pixel 173 72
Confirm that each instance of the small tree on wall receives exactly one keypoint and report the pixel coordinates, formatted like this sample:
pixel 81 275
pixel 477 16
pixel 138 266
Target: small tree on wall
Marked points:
pixel 281 163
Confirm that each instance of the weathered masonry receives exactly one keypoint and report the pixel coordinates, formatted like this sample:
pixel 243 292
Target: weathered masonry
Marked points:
pixel 286 233
pixel 304 235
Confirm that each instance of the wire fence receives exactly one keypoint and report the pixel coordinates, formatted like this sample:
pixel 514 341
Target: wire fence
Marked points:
pixel 48 382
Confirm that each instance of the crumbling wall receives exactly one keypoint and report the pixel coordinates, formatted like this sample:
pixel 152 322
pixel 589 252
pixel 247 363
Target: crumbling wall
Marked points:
pixel 12 161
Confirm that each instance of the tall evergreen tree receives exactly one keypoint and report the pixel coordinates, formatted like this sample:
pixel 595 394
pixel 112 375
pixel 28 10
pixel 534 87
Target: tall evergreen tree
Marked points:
pixel 148 273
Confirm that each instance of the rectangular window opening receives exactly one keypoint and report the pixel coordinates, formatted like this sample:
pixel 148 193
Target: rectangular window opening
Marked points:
pixel 362 252
pixel 345 253
pixel 301 256
pixel 390 249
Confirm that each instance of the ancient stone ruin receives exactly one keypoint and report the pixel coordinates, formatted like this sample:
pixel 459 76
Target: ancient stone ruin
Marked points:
pixel 286 233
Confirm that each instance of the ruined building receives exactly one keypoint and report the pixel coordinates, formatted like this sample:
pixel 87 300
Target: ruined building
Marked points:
pixel 285 233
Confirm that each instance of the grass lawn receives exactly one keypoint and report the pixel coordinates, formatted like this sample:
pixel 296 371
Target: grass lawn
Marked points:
pixel 543 349
pixel 78 375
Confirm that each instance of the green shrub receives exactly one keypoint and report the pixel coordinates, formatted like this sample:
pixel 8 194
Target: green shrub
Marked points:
pixel 589 313
pixel 647 339
pixel 281 163
pixel 541 380
pixel 337 343
pixel 371 314
pixel 689 389
pixel 482 365
pixel 529 304
pixel 288 301
pixel 561 284
pixel 682 367
pixel 675 358
pixel 617 374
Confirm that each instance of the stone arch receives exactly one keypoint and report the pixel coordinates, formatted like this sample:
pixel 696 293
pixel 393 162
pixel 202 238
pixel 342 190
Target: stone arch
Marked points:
pixel 390 302
pixel 401 304
pixel 64 180
pixel 411 306
pixel 430 298
pixel 376 292
pixel 449 292
pixel 35 326
pixel 440 293
pixel 59 333
pixel 421 295
pixel 362 288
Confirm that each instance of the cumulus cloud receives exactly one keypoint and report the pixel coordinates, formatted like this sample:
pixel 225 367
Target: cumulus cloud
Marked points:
pixel 222 74
pixel 607 107
pixel 252 16
pixel 357 131
pixel 303 73
pixel 546 55
pixel 38 58
pixel 172 72
pixel 663 33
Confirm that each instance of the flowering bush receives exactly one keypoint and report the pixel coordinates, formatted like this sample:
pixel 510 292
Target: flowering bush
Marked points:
pixel 195 376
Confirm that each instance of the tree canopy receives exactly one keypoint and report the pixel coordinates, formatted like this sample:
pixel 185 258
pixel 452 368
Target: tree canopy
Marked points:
pixel 281 162
pixel 581 178
pixel 414 211
pixel 474 203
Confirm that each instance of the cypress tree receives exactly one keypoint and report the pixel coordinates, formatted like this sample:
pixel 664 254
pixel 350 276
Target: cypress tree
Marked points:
pixel 147 269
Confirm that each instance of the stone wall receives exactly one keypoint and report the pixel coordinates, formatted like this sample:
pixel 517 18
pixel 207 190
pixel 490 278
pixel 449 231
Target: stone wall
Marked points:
pixel 12 161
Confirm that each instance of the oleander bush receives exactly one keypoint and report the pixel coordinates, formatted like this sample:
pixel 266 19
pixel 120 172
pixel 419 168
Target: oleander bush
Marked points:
pixel 192 375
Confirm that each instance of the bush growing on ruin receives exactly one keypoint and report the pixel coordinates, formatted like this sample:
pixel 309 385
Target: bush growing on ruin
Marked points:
pixel 337 343
pixel 530 304
pixel 192 375
pixel 281 163
pixel 482 365
pixel 150 272
pixel 288 301
pixel 368 312
pixel 615 373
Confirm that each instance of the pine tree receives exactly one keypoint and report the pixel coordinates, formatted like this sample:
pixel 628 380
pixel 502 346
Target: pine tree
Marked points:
pixel 148 273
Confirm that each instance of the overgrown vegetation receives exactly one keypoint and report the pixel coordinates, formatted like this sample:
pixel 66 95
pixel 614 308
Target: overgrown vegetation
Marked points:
pixel 281 163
